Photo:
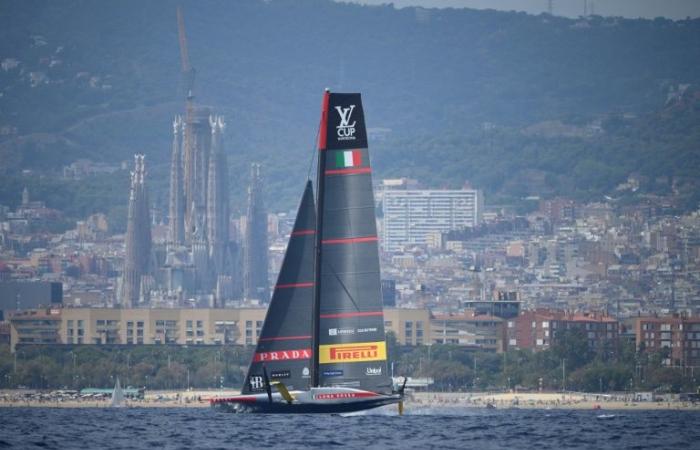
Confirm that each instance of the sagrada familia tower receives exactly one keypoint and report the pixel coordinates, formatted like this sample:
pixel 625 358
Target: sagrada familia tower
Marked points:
pixel 200 259
pixel 138 261
pixel 200 262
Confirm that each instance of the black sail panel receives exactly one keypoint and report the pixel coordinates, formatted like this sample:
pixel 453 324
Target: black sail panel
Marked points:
pixel 350 332
pixel 285 343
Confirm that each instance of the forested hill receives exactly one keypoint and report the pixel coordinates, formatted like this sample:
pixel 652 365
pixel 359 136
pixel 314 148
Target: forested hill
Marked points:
pixel 100 80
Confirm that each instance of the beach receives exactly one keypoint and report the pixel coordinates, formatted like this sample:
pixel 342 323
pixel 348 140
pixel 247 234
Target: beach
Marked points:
pixel 509 400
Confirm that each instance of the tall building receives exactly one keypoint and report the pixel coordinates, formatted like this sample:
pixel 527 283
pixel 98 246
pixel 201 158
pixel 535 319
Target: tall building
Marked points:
pixel 255 277
pixel 201 260
pixel 176 231
pixel 137 263
pixel 195 159
pixel 217 197
pixel 412 216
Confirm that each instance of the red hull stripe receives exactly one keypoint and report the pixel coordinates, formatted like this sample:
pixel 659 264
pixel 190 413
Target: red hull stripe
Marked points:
pixel 356 240
pixel 322 136
pixel 303 232
pixel 352 314
pixel 285 338
pixel 293 285
pixel 349 171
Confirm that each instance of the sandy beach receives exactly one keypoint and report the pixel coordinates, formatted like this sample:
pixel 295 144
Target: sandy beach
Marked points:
pixel 527 400
pixel 543 400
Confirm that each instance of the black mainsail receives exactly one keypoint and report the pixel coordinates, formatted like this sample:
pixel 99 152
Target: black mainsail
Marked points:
pixel 349 325
pixel 285 343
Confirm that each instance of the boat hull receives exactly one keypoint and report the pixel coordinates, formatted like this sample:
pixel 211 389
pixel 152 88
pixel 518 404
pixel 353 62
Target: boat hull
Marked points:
pixel 318 401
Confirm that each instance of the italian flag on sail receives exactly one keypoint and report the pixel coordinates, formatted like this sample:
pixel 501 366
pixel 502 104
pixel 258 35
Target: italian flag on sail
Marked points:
pixel 348 158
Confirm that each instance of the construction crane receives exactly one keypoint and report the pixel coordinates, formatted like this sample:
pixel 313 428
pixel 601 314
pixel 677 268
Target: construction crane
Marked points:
pixel 188 157
pixel 188 71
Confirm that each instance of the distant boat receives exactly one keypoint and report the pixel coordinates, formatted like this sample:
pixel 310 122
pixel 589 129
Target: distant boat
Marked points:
pixel 322 347
pixel 117 396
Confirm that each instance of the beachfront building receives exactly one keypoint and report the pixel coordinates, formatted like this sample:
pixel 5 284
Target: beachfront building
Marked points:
pixel 677 337
pixel 410 326
pixel 468 328
pixel 539 329
pixel 96 326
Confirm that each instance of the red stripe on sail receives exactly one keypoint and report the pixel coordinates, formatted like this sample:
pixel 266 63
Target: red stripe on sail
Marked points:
pixel 303 232
pixel 293 285
pixel 349 171
pixel 284 338
pixel 352 314
pixel 323 127
pixel 355 240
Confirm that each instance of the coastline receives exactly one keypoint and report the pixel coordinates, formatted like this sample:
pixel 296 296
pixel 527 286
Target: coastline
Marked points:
pixel 511 400
pixel 543 400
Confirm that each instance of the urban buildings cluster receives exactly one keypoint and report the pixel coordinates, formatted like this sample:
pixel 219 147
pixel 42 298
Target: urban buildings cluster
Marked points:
pixel 454 271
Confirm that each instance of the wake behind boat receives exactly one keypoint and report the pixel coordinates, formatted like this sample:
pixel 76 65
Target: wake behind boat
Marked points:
pixel 322 348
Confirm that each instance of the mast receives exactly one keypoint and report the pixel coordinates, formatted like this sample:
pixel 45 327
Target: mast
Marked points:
pixel 320 185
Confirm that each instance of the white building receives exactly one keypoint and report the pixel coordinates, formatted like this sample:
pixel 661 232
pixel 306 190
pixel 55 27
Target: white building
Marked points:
pixel 411 216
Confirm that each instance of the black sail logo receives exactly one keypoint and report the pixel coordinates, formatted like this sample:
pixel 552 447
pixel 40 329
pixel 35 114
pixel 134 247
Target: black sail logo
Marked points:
pixel 345 129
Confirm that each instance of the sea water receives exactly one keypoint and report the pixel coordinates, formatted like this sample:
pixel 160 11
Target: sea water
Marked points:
pixel 419 428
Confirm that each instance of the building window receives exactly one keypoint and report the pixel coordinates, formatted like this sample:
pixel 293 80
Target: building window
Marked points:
pixel 188 324
pixel 200 324
pixel 511 324
pixel 545 324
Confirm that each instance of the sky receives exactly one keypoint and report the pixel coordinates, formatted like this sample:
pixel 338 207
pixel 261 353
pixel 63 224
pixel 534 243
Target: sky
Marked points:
pixel 672 9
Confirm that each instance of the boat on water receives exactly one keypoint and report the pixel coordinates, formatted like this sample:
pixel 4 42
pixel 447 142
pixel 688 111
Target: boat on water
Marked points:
pixel 322 347
pixel 118 400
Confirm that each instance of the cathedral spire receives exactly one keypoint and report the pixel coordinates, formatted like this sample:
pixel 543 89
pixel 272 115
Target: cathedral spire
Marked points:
pixel 176 231
pixel 138 236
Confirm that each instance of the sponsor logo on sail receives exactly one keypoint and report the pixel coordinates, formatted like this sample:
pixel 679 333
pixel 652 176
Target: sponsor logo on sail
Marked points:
pixel 283 355
pixel 332 373
pixel 354 352
pixel 256 383
pixel 340 331
pixel 277 374
pixel 367 330
pixel 346 130
pixel 372 371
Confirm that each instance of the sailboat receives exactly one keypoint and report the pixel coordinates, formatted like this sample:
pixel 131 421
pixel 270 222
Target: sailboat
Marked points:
pixel 322 348
pixel 117 396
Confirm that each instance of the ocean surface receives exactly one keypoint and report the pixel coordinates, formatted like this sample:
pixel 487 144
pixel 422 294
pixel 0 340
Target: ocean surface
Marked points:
pixel 449 428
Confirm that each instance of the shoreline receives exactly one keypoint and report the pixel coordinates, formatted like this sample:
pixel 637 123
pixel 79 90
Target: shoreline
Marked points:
pixel 472 400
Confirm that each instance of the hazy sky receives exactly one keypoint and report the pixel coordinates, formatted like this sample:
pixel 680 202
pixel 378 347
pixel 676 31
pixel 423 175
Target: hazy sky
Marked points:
pixel 672 9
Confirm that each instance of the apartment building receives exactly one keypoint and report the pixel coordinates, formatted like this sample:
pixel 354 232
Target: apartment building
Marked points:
pixel 468 328
pixel 538 329
pixel 94 326
pixel 677 336
pixel 410 326
pixel 413 216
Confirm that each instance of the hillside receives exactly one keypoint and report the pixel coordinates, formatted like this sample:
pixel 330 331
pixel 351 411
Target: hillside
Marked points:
pixel 101 79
